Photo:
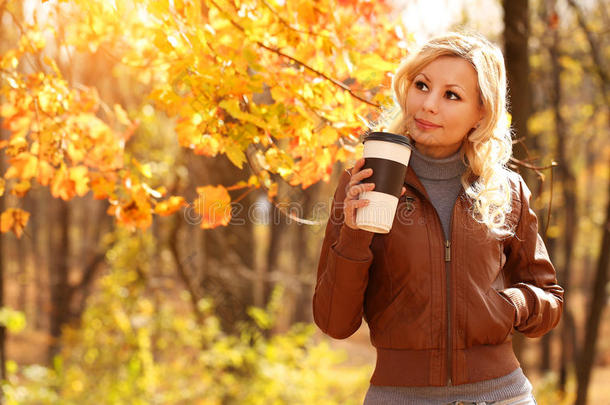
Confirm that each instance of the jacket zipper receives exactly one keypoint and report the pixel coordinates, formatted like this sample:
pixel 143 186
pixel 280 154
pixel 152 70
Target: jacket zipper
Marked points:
pixel 448 286
pixel 447 282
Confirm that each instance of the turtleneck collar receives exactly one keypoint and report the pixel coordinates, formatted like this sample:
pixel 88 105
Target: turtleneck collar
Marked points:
pixel 437 169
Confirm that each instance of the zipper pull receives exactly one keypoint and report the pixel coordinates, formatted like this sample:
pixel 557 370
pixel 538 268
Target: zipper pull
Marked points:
pixel 447 251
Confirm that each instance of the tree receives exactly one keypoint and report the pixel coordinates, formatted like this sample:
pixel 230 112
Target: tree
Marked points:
pixel 279 90
pixel 598 300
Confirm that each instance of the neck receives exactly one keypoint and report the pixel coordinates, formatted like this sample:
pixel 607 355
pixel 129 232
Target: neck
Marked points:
pixel 427 167
pixel 437 152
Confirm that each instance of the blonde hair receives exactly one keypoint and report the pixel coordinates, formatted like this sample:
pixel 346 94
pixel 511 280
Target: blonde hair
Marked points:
pixel 488 147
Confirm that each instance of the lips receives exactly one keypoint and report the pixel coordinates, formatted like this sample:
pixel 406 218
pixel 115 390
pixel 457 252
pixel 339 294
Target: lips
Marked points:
pixel 423 124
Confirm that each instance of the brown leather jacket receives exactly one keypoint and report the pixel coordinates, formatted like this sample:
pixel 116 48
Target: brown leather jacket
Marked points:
pixel 440 311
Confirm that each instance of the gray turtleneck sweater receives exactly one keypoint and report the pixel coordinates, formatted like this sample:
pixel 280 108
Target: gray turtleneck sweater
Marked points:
pixel 441 178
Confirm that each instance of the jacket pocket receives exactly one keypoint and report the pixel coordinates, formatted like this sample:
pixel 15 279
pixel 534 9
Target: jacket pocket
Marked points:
pixel 490 318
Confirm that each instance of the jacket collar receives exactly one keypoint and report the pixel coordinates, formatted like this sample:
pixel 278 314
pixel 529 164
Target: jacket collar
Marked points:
pixel 413 181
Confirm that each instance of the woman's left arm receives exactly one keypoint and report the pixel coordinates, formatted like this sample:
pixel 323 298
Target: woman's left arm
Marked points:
pixel 533 283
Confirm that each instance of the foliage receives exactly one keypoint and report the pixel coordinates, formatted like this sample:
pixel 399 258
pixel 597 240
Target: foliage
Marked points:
pixel 137 346
pixel 13 320
pixel 282 86
pixel 546 391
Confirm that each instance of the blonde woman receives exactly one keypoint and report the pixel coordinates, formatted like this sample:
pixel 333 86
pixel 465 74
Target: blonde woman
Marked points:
pixel 463 266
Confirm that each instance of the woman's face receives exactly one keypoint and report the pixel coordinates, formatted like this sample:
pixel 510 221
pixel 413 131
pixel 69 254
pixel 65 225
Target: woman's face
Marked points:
pixel 443 105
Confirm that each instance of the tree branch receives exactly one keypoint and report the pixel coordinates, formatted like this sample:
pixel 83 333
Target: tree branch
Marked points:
pixel 287 24
pixel 595 52
pixel 277 51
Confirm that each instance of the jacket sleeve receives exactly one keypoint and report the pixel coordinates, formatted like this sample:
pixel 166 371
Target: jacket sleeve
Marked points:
pixel 533 284
pixel 342 274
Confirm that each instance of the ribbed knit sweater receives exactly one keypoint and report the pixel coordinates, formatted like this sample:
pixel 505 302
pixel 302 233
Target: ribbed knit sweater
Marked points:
pixel 441 179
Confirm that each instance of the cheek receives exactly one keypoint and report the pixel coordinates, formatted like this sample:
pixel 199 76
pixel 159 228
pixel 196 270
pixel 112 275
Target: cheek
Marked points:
pixel 460 119
pixel 414 100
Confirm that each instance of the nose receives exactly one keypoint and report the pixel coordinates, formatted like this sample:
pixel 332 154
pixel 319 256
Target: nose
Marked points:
pixel 431 103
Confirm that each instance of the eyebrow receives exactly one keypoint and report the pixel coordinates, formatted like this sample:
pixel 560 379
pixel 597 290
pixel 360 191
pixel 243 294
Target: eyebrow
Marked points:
pixel 449 85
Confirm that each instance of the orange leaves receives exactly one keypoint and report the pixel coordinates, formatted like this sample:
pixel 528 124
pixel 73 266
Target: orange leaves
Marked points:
pixel 291 78
pixel 14 219
pixel 213 206
pixel 169 206
pixel 135 211
pixel 69 182
pixel 102 186
pixel 191 137
pixel 23 166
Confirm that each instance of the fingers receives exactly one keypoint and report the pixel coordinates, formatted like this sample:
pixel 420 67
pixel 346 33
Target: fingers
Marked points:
pixel 358 174
pixel 359 164
pixel 356 189
pixel 404 190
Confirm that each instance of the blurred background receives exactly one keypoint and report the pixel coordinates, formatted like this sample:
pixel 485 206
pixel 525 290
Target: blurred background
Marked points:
pixel 167 168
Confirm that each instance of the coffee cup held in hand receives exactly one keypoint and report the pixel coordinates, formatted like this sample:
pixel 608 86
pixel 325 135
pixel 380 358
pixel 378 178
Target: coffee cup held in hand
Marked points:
pixel 388 155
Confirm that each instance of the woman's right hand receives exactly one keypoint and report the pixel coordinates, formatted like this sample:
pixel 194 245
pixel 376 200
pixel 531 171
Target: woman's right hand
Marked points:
pixel 354 188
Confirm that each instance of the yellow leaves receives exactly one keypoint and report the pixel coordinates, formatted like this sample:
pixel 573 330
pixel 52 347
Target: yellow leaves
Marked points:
pixel 20 189
pixel 314 167
pixel 15 220
pixel 45 172
pixel 136 212
pixel 207 145
pixel 144 169
pixel 190 137
pixel 23 166
pixel 214 206
pixel 279 161
pixel 121 115
pixel 307 13
pixel 101 186
pixel 233 108
pixel 2 185
pixel 69 182
pixel 32 41
pixel 47 100
pixel 209 75
pixel 371 67
pixel 169 206
pixel 10 59
pixel 327 136
pixel 234 152
pixel 17 123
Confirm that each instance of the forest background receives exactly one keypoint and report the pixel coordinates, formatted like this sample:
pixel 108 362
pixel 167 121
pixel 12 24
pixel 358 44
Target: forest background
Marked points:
pixel 167 167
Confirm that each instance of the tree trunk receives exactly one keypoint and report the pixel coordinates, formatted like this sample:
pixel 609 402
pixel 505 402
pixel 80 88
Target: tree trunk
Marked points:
pixel 568 182
pixel 58 275
pixel 598 301
pixel 278 229
pixel 2 237
pixel 229 249
pixel 596 308
pixel 308 257
pixel 516 33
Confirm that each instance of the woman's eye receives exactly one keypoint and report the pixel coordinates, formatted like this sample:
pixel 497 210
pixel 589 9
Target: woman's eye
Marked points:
pixel 452 96
pixel 421 85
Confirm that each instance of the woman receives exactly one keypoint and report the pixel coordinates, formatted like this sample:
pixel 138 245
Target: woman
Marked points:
pixel 463 266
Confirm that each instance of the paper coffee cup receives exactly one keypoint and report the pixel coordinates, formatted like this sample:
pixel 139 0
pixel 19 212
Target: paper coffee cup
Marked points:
pixel 388 155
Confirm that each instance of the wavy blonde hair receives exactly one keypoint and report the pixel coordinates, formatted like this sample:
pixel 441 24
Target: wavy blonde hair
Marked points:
pixel 488 147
